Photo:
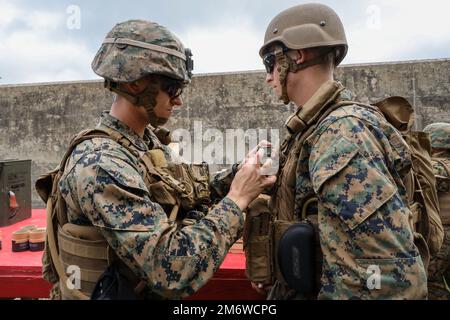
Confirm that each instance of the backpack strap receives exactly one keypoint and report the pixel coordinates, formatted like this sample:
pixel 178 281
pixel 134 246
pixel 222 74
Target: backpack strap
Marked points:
pixel 56 211
pixel 444 196
pixel 303 123
pixel 308 201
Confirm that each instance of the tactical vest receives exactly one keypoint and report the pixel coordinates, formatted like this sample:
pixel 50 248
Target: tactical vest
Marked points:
pixel 283 205
pixel 444 197
pixel 278 214
pixel 182 191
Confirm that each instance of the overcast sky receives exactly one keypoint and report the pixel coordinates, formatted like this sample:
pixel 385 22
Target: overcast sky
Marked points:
pixel 56 40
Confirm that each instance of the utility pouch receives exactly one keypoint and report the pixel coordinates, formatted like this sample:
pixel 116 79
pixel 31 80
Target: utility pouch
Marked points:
pixel 257 240
pixel 162 193
pixel 279 228
pixel 296 257
pixel 195 180
pixel 113 286
pixel 199 174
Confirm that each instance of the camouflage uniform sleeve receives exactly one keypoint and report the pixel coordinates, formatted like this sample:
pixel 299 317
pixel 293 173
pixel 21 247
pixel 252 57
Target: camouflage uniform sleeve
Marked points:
pixel 176 262
pixel 365 235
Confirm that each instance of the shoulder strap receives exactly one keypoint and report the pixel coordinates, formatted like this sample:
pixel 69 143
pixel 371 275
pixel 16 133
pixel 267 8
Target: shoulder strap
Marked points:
pixel 307 201
pixel 316 121
pixel 84 135
pixel 56 205
pixel 56 211
pixel 294 142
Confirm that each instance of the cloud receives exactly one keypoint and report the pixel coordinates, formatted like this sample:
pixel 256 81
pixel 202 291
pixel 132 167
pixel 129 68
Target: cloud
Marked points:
pixel 43 60
pixel 224 36
pixel 34 51
pixel 8 13
pixel 398 30
pixel 229 45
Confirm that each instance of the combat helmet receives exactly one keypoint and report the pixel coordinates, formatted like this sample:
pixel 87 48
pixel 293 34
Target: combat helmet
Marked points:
pixel 135 49
pixel 311 25
pixel 439 135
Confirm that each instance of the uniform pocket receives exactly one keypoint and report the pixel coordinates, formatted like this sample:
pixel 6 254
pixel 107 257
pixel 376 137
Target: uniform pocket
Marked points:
pixel 331 161
pixel 396 278
pixel 349 185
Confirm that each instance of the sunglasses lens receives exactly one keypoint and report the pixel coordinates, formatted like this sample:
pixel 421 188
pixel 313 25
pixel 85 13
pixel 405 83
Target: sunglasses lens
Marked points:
pixel 269 62
pixel 173 88
pixel 177 91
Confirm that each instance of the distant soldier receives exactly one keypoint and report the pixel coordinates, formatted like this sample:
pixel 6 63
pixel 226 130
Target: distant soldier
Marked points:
pixel 439 269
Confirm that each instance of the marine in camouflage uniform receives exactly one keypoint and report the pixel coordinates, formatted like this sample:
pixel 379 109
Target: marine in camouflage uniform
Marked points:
pixel 103 186
pixel 439 268
pixel 103 181
pixel 352 160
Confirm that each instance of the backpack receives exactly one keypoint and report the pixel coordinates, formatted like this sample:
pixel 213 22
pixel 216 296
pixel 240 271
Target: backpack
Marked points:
pixel 420 182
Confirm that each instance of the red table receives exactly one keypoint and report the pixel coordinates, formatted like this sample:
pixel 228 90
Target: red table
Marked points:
pixel 20 272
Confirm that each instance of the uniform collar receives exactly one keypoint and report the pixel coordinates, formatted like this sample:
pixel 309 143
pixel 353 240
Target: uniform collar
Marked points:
pixel 109 121
pixel 329 92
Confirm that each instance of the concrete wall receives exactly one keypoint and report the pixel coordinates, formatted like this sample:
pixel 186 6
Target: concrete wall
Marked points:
pixel 37 121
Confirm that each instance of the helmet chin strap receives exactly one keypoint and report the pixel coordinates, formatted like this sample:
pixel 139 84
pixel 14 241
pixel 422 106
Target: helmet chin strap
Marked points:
pixel 155 121
pixel 146 98
pixel 283 69
pixel 286 64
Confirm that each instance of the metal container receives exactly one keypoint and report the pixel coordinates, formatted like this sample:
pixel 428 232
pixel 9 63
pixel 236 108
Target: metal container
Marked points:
pixel 15 191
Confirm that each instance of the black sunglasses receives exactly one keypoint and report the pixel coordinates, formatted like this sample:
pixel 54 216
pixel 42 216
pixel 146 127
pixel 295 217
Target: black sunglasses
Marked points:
pixel 269 60
pixel 174 88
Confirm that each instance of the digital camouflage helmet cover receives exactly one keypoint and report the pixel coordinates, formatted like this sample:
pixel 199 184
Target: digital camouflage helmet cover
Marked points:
pixel 439 135
pixel 135 49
